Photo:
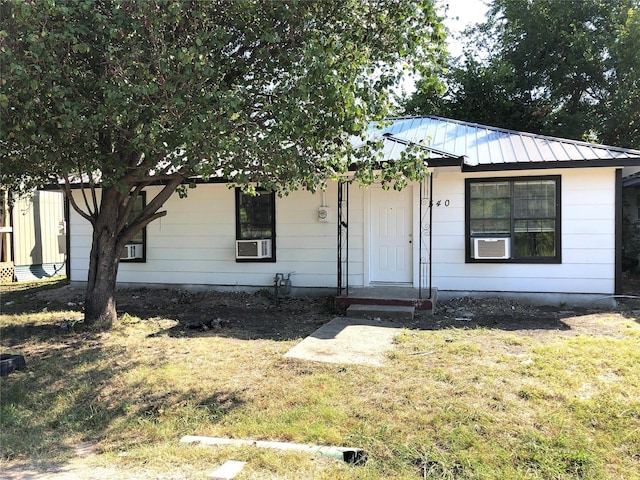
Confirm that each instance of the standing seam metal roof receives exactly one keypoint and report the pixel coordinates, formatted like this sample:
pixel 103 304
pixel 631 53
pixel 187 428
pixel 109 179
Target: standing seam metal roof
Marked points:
pixel 493 148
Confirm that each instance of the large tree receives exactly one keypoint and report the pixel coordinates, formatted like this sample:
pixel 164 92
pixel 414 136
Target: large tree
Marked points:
pixel 565 68
pixel 112 96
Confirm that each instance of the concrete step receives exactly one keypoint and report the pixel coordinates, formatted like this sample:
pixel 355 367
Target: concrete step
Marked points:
pixel 383 312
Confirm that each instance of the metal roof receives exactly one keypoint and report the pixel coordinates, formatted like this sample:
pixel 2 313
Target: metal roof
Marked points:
pixel 480 147
pixel 632 180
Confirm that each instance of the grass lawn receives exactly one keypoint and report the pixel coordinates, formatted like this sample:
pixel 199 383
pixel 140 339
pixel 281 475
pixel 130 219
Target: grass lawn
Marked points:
pixel 458 403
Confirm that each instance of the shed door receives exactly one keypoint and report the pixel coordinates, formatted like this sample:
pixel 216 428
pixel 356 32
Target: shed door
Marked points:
pixel 391 231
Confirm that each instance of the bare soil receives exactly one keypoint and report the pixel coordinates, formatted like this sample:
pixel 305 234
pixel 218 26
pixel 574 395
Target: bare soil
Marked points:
pixel 250 316
pixel 237 314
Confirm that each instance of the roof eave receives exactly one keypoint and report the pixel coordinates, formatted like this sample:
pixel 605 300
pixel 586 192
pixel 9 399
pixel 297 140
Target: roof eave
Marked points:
pixel 597 163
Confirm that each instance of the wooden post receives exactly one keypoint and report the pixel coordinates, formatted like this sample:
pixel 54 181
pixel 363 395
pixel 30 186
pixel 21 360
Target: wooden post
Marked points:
pixel 6 265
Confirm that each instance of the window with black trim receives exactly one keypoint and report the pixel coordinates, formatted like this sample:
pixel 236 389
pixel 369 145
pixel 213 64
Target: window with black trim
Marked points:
pixel 513 220
pixel 136 249
pixel 255 226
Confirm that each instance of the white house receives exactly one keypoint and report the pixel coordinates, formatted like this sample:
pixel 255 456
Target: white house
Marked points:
pixel 502 213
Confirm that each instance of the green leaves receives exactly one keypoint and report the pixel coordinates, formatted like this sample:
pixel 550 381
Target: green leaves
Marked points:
pixel 562 68
pixel 257 90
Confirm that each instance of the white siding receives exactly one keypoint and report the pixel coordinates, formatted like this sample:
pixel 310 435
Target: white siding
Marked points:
pixel 588 238
pixel 194 243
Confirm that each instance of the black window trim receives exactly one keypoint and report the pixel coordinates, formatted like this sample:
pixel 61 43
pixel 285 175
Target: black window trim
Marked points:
pixel 557 259
pixel 142 195
pixel 272 259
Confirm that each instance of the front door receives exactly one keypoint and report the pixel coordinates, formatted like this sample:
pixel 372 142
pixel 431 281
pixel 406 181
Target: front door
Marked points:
pixel 391 236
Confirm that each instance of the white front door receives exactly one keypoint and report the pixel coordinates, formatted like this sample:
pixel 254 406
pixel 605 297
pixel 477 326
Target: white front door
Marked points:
pixel 391 236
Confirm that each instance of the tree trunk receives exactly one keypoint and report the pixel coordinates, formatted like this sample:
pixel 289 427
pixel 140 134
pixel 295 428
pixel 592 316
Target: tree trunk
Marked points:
pixel 100 301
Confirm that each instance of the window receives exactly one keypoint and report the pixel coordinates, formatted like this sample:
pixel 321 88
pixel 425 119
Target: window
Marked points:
pixel 255 226
pixel 518 218
pixel 136 249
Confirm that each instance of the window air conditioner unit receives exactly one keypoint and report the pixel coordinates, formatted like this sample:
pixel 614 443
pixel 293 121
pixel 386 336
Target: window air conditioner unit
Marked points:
pixel 246 249
pixel 131 251
pixel 491 248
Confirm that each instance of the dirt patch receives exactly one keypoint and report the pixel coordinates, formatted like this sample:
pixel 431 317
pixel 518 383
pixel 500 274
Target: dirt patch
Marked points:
pixel 531 320
pixel 237 314
pixel 249 316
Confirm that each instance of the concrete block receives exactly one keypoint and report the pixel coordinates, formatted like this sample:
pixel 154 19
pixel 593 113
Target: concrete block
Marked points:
pixel 227 471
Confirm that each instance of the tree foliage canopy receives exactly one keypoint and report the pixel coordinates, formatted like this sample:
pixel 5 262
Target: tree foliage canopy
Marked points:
pixel 124 94
pixel 254 90
pixel 569 69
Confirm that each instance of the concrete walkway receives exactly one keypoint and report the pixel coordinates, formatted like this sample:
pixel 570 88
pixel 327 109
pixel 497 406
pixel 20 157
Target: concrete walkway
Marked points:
pixel 348 340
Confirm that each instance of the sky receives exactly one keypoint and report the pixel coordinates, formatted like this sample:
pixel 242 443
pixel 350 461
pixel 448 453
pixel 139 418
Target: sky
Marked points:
pixel 461 14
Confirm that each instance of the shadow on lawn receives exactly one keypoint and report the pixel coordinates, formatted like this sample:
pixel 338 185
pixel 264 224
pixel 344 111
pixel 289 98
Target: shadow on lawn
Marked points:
pixel 74 389
pixel 58 395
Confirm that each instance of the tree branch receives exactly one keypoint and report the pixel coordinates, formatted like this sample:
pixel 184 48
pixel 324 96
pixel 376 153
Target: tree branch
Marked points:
pixel 129 232
pixel 129 200
pixel 150 211
pixel 91 211
pixel 67 191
